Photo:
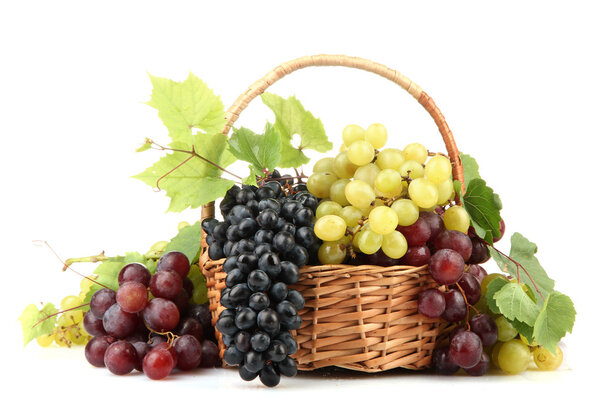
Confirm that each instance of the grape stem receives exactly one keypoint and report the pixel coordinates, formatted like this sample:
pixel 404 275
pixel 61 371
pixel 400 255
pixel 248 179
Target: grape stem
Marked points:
pixel 59 312
pixel 169 334
pixel 469 306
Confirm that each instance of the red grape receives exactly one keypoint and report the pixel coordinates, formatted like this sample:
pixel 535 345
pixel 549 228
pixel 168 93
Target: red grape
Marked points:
pixel 161 315
pixel 168 348
pixel 416 256
pixel 435 222
pixel 93 324
pixel 479 252
pixel 431 303
pixel 446 266
pixel 189 352
pixel 477 271
pixel 96 348
pixel 119 323
pixel 134 272
pixel 120 357
pixel 101 301
pixel 485 327
pixel 502 230
pixel 456 308
pixel 466 349
pixel 417 233
pixel 190 326
pixel 174 261
pixel 442 362
pixel 471 287
pixel 166 284
pixel 132 297
pixel 158 364
pixel 210 354
pixel 142 348
pixel 454 240
pixel 481 367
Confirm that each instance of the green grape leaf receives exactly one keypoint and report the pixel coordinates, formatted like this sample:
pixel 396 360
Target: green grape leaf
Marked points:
pixel 186 105
pixel 187 241
pixel 470 168
pixel 261 151
pixel 144 147
pixel 514 304
pixel 555 319
pixel 479 203
pixel 523 329
pixel 494 286
pixel 290 119
pixel 29 321
pixel 188 180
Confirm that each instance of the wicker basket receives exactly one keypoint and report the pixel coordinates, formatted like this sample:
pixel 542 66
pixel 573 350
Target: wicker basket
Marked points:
pixel 357 317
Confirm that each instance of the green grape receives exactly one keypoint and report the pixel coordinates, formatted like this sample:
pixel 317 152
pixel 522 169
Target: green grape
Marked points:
pixel 514 356
pixel 337 192
pixel 394 245
pixel 325 165
pixel 494 355
pixel 330 228
pixel 359 194
pixel 351 215
pixel 546 360
pixel 416 152
pixel 438 169
pixel 377 135
pixel 328 208
pixel 488 278
pixel 423 193
pixel 407 211
pixel 506 331
pixel 370 242
pixel 445 192
pixel 69 302
pixel 412 169
pixel 457 218
pixel 389 182
pixel 356 239
pixel 70 318
pixel 383 220
pixel 85 285
pixel 352 133
pixel 332 253
pixel 181 225
pixel 367 173
pixel 342 167
pixel 390 158
pixel 525 340
pixel 361 152
pixel 61 338
pixel 319 184
pixel 77 335
pixel 45 340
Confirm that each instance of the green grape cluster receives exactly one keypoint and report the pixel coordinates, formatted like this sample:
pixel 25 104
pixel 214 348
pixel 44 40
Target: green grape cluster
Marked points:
pixel 366 192
pixel 69 329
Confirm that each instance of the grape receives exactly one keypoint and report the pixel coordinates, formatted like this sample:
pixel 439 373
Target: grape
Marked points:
pixel 479 252
pixel 369 241
pixel 411 169
pixel 269 262
pixel 248 227
pixel 119 323
pixel 304 217
pixel 525 340
pixel 416 256
pixel 377 135
pixel 330 228
pixel 210 354
pixel 446 266
pixel 352 133
pixel 245 318
pixel 101 301
pixel 502 230
pixel 132 296
pixel 258 281
pixel 324 165
pixel 417 233
pixel 337 192
pixel 390 158
pixel 351 215
pixel 457 218
pixel 435 222
pixel 169 348
pixel 488 278
pixel 45 340
pixel 141 349
pixel 361 152
pixel 296 299
pixel 287 367
pixel 394 245
pixel 246 375
pixel 246 263
pixel 456 308
pixel 471 288
pixel 546 360
pixel 289 341
pixel 166 284
pixel 278 292
pixel 506 331
pixel 260 341
pixel 284 241
pixel 445 192
pixel 514 356
pixel 319 184
pixel 239 294
pixel 190 326
pixel 431 303
pixel 269 376
pixel 174 261
pixel 188 351
pixel 367 173
pixel 478 272
pixel 328 208
pixel 289 273
pixel 267 219
pixel 389 183
pixel 158 364
pixel 254 361
pixel 359 194
pixel 343 167
pixel 70 302
pixel 268 321
pixel 442 361
pixel 160 315
pixel 93 325
pixel 276 352
pixel 481 367
pixel 406 210
pixel 495 352
pixel 485 327
pixel 416 152
pixel 120 358
pixel 423 193
pixel 288 210
pixel 438 169
pixel 234 277
pixel 216 252
pixel 466 349
pixel 96 348
pixel 134 272
pixel 454 240
pixel 382 220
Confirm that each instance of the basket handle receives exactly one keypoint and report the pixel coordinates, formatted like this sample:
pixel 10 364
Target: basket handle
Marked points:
pixel 284 69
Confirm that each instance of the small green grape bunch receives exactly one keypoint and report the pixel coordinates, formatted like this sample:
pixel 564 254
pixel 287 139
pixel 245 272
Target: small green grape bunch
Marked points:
pixel 69 328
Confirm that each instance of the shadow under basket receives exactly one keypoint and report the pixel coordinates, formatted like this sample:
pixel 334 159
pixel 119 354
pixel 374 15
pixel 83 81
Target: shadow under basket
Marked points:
pixel 356 317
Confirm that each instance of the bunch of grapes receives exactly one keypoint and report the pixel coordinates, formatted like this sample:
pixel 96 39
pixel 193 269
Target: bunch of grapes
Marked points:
pixel 131 331
pixel 265 237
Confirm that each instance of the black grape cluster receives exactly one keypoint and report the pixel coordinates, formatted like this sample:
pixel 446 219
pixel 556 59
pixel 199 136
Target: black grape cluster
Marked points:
pixel 266 236
pixel 131 331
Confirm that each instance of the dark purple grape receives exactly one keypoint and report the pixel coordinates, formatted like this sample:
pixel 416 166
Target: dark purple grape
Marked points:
pixel 161 315
pixel 210 354
pixel 258 281
pixel 269 376
pixel 93 325
pixel 246 375
pixel 502 230
pixel 247 227
pixel 417 233
pixel 234 277
pixel 209 224
pixel 232 356
pixel 132 296
pixel 431 303
pixel 96 348
pixel 188 286
pixel 277 351
pixel 182 301
pixel 435 222
pixel 134 272
pixel 141 348
pixel 287 367
pixel 485 327
pixel 289 273
pixel 271 264
pixel 189 352
pixel 471 287
pixel 244 196
pixel 442 362
pixel 456 308
pixel 382 260
pixel 466 349
pixel 242 341
pixel 290 342
pixel 118 323
pixel 260 341
pixel 477 271
pixel 304 217
pixel 482 366
pixel 245 318
pixel 295 297
pixel 216 252
pixel 230 263
pixel 416 256
pixel 190 326
pixel 264 236
pixel 166 284
pixel 259 301
pixel 289 209
pixel 254 361
pixel 174 261
pixel 283 241
pixel 268 321
pixel 265 193
pixel 479 252
pixel 305 236
pixel 267 219
pixel 446 266
pixel 262 249
pixel 226 325
pixel 101 301
pixel 220 232
pixel 233 233
pixel 298 255
pixel 120 358
pixel 278 292
pixel 201 312
pixel 454 240
pixel 239 294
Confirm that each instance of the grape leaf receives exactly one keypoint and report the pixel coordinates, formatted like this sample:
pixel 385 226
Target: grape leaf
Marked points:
pixel 515 304
pixel 494 286
pixel 479 203
pixel 470 168
pixel 187 241
pixel 555 319
pixel 144 147
pixel 31 315
pixel 194 182
pixel 290 119
pixel 523 329
pixel 261 151
pixel 186 105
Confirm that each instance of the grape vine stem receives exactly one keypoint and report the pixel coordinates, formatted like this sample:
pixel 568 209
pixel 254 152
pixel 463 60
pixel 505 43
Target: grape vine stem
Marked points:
pixel 59 312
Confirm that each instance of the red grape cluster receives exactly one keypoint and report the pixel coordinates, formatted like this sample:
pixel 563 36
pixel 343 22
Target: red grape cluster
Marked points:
pixel 132 331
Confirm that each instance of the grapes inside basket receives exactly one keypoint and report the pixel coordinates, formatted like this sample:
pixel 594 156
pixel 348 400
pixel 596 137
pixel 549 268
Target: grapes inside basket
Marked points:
pixel 371 262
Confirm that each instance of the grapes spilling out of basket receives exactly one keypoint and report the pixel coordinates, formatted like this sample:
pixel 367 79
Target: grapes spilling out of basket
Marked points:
pixel 148 324
pixel 266 236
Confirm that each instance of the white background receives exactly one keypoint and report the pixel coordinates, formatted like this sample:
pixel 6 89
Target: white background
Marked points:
pixel 517 82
